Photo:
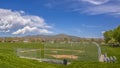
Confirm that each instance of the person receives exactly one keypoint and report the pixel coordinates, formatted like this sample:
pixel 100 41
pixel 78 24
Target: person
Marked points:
pixel 65 61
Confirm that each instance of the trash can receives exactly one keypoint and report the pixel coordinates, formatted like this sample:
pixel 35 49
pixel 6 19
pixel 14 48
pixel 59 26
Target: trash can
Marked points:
pixel 65 61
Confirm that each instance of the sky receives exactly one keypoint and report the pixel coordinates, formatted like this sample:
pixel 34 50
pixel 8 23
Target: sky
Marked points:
pixel 83 18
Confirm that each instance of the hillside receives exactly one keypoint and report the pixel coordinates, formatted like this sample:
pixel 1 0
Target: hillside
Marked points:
pixel 60 37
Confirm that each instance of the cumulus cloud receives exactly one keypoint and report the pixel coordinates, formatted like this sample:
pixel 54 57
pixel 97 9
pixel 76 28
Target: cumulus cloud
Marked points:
pixel 17 22
pixel 28 29
pixel 24 30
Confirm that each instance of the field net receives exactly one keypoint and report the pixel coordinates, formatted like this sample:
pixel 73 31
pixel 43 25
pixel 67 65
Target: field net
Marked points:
pixel 58 51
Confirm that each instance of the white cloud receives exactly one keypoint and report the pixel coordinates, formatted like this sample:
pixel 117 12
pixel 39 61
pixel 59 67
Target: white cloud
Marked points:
pixel 103 32
pixel 103 9
pixel 96 2
pixel 28 29
pixel 97 7
pixel 7 26
pixel 17 22
pixel 91 7
pixel 44 31
pixel 24 30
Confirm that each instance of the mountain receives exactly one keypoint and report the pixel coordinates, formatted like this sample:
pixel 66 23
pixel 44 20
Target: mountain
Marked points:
pixel 60 37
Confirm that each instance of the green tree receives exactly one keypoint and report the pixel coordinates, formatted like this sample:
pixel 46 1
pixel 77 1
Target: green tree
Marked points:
pixel 116 34
pixel 112 41
pixel 108 35
pixel 66 40
pixel 112 36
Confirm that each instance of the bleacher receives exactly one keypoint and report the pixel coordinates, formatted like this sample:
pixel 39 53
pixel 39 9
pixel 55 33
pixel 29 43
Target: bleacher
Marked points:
pixel 111 59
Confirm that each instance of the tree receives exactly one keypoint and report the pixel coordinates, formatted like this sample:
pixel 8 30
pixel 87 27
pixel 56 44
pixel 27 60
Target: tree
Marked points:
pixel 116 34
pixel 108 35
pixel 66 40
pixel 112 36
pixel 112 41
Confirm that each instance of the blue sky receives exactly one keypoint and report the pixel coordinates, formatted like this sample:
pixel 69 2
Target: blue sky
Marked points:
pixel 83 18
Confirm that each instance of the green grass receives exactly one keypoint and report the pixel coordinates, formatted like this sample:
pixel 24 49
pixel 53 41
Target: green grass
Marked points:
pixel 9 59
pixel 112 51
pixel 84 52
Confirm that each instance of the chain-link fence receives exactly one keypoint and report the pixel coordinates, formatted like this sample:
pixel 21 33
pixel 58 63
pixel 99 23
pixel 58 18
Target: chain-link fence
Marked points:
pixel 59 51
pixel 71 51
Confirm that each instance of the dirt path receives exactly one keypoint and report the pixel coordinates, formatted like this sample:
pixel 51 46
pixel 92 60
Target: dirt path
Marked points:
pixel 64 56
pixel 51 49
pixel 30 58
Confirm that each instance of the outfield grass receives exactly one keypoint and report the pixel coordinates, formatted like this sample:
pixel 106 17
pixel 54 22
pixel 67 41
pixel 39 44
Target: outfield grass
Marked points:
pixel 84 51
pixel 9 59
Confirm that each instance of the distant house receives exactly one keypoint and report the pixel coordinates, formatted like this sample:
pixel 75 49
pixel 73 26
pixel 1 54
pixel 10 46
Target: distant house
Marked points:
pixel 51 42
pixel 62 42
pixel 3 40
pixel 15 41
pixel 26 41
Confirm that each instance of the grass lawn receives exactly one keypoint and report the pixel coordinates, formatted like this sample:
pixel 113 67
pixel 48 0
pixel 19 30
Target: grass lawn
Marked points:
pixel 9 59
pixel 83 51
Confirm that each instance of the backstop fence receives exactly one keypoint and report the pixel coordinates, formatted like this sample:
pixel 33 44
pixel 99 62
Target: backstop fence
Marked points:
pixel 74 51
